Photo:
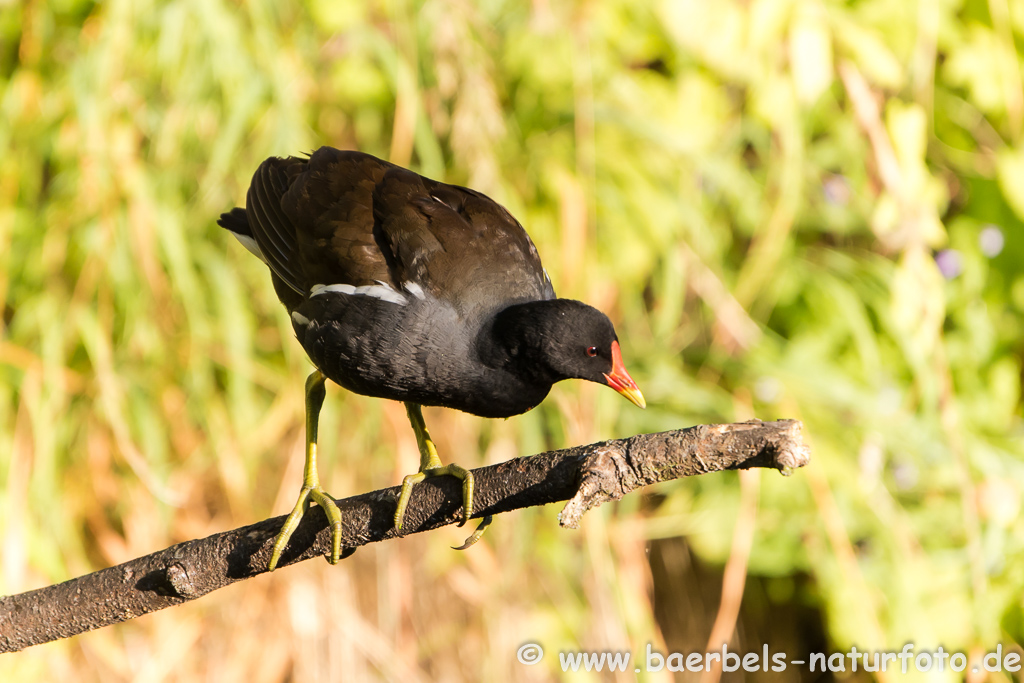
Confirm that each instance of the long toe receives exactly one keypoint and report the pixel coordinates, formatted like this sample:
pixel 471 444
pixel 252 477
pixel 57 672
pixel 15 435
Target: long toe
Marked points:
pixel 451 469
pixel 324 500
pixel 317 495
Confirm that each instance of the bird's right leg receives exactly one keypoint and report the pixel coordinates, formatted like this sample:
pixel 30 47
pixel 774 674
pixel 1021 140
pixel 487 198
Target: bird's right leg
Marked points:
pixel 430 466
pixel 311 489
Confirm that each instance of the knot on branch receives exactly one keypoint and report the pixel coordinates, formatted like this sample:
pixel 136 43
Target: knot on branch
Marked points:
pixel 606 474
pixel 612 469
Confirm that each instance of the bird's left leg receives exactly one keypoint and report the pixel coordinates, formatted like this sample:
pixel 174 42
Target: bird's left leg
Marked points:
pixel 430 466
pixel 311 489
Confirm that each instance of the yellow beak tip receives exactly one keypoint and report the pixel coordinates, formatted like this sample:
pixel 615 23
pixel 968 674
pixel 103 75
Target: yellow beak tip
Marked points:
pixel 635 397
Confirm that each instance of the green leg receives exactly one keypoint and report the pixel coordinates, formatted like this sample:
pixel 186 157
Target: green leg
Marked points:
pixel 311 489
pixel 430 466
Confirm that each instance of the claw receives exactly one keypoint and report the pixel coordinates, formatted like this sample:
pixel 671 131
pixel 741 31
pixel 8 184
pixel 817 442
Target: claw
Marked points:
pixel 476 535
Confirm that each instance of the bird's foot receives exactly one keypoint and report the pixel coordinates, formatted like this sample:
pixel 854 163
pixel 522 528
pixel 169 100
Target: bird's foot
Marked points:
pixel 430 466
pixel 317 495
pixel 467 497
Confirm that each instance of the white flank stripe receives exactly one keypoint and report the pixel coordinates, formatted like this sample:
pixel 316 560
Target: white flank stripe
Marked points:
pixel 381 291
pixel 299 318
pixel 415 290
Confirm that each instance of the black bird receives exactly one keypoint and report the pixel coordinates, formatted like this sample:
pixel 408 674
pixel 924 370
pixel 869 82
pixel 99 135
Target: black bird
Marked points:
pixel 409 289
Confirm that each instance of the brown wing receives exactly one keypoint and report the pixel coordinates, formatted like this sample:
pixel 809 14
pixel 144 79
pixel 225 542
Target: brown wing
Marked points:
pixel 342 217
pixel 313 218
pixel 455 243
pixel 272 229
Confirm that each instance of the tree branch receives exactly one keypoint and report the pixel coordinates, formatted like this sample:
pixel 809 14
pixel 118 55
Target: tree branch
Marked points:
pixel 587 476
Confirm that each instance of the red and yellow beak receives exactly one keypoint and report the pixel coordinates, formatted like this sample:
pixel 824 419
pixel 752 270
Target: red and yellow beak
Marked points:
pixel 619 380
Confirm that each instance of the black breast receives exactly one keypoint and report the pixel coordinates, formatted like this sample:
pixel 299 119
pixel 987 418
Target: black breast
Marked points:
pixel 419 352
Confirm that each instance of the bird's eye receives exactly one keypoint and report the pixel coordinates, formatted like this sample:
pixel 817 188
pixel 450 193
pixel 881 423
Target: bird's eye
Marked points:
pixel 592 351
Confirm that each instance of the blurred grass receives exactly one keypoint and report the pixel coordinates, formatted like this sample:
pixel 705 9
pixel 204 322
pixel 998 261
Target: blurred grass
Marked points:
pixel 761 194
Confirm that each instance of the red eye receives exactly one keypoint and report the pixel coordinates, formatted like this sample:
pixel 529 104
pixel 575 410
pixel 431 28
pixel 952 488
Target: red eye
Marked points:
pixel 592 351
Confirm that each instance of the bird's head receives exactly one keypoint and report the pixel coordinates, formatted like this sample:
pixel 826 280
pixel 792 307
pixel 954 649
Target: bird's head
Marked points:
pixel 566 339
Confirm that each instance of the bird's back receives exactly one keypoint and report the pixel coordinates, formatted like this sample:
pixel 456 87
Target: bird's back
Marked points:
pixel 348 218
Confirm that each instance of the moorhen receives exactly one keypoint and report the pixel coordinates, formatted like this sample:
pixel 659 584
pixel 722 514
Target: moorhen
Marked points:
pixel 410 289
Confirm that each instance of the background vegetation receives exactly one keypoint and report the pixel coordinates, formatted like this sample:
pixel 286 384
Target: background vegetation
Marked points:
pixel 790 209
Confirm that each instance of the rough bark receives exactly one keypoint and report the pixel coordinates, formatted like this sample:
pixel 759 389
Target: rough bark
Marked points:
pixel 587 476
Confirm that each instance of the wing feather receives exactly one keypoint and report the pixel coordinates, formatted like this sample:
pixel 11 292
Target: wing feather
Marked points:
pixel 457 244
pixel 273 230
pixel 348 218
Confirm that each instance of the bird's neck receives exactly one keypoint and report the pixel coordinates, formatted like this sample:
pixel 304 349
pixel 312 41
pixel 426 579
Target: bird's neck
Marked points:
pixel 514 340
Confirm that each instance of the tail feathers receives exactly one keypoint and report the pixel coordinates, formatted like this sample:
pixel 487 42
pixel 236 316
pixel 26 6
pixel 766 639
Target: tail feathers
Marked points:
pixel 237 223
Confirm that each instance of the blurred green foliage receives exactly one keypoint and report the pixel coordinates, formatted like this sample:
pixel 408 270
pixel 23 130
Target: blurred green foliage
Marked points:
pixel 790 208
